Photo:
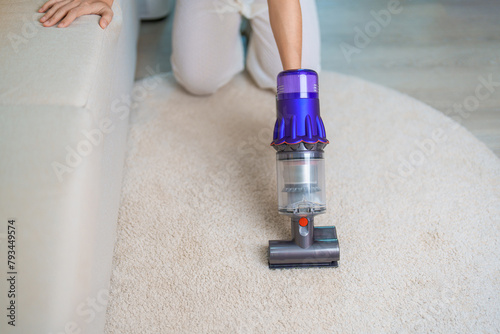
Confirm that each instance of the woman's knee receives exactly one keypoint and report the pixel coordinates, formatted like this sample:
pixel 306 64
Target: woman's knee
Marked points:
pixel 201 78
pixel 194 83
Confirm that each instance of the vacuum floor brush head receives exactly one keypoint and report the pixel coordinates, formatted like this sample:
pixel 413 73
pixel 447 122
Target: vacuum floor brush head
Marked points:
pixel 322 251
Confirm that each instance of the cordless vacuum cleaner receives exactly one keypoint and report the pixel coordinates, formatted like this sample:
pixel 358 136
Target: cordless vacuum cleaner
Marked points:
pixel 299 138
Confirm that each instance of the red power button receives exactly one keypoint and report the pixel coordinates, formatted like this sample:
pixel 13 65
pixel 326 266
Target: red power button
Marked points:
pixel 303 221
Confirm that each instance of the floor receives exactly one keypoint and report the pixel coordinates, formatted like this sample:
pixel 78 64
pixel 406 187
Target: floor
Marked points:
pixel 437 52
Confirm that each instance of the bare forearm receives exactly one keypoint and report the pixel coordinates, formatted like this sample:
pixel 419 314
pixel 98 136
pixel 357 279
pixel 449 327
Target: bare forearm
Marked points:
pixel 286 23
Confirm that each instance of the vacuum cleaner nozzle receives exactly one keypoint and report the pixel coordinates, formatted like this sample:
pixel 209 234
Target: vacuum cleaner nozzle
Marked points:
pixel 299 138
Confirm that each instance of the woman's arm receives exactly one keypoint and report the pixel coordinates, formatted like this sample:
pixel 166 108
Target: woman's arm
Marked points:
pixel 286 22
pixel 67 11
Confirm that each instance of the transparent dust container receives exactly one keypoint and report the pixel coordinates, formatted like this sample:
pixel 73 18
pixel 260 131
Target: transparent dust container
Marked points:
pixel 301 182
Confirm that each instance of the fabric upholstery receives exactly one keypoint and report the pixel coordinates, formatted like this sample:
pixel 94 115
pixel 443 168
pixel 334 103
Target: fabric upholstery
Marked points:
pixel 63 91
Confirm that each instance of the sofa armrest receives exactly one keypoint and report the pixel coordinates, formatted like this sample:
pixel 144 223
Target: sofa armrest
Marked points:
pixel 62 148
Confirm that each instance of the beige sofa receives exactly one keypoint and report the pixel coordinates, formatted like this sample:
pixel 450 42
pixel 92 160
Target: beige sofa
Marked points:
pixel 64 97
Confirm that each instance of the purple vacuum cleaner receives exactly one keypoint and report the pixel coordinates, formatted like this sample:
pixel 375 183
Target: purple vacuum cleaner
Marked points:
pixel 299 138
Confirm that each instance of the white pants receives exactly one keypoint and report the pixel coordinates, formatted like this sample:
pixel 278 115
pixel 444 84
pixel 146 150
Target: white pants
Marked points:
pixel 207 46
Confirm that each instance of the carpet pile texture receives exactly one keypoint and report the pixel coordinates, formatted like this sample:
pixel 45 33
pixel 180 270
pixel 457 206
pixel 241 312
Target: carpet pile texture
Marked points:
pixel 415 198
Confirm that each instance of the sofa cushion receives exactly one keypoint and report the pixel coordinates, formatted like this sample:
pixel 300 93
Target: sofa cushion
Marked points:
pixel 54 66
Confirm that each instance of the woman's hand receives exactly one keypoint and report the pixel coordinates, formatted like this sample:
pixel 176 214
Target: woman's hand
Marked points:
pixel 67 11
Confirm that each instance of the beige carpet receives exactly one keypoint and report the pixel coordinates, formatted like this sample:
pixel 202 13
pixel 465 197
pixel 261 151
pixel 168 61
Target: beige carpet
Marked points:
pixel 414 196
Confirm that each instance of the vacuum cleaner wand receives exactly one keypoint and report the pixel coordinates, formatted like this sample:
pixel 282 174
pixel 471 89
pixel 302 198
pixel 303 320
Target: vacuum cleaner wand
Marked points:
pixel 299 138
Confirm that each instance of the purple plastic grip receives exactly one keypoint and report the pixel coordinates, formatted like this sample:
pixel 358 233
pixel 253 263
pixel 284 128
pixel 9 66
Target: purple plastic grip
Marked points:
pixel 302 82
